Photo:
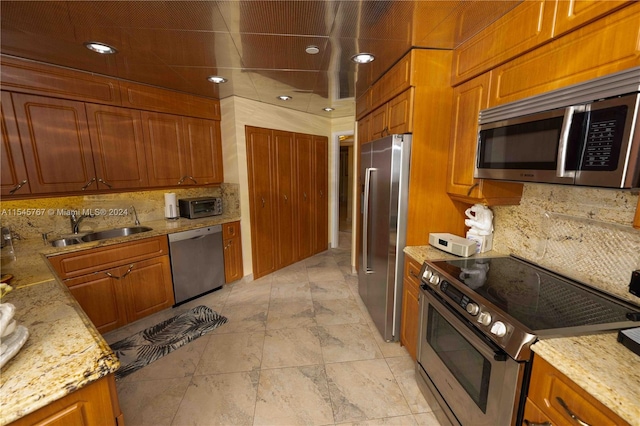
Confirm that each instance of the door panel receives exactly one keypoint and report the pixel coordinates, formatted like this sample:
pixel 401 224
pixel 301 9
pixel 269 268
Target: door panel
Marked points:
pixel 203 150
pixel 304 157
pixel 320 152
pixel 14 174
pixel 285 193
pixel 148 287
pixel 165 154
pixel 55 143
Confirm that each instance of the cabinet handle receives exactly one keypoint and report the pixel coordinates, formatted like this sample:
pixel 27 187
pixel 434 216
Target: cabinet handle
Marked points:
pixel 285 198
pixel 104 182
pixel 528 423
pixel 570 413
pixel 262 201
pixel 413 274
pixel 18 186
pixel 305 196
pixel 185 178
pixel 110 275
pixel 321 194
pixel 86 185
pixel 471 188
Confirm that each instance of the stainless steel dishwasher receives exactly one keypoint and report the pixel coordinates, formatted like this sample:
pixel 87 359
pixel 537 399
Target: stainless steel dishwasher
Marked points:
pixel 197 262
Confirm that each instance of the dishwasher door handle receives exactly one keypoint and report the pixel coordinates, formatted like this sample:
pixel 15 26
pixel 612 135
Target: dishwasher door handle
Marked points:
pixel 199 237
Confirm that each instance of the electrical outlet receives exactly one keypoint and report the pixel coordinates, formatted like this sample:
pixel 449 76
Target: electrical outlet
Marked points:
pixel 634 284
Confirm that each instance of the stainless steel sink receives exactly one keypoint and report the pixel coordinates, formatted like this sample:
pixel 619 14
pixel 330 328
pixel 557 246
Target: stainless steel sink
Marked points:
pixel 114 233
pixel 63 242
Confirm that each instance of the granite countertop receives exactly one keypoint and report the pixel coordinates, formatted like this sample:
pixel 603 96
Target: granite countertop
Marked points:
pixel 64 351
pixel 597 363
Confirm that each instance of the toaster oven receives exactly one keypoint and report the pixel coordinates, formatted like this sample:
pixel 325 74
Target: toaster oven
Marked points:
pixel 194 208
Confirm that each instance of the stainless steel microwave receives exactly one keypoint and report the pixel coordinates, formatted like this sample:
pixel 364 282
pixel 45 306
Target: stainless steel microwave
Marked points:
pixel 193 208
pixel 582 142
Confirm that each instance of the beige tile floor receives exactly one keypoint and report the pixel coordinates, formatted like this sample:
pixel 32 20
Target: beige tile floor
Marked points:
pixel 299 349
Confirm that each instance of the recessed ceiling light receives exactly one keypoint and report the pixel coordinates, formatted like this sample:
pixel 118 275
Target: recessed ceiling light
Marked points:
pixel 101 48
pixel 363 58
pixel 216 79
pixel 327 109
pixel 284 98
pixel 312 50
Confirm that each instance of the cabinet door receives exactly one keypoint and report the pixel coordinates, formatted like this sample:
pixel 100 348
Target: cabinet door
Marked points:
pixel 148 287
pixel 14 174
pixel 400 112
pixel 232 260
pixel 363 129
pixel 118 147
pixel 321 188
pixel 379 126
pixel 55 143
pixel 410 307
pixel 203 150
pixel 260 169
pixel 305 194
pixel 166 159
pixel 572 14
pixel 468 99
pixel 101 298
pixel 285 194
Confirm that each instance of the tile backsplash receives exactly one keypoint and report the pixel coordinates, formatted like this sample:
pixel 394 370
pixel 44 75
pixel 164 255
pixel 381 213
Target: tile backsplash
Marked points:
pixel 582 233
pixel 30 218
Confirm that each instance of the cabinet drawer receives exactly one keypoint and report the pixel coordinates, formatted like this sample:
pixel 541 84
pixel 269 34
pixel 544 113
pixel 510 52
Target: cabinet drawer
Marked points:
pixel 550 389
pixel 92 260
pixel 412 270
pixel 230 230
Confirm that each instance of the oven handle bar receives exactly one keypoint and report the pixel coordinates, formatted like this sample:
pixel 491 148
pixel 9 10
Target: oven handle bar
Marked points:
pixel 486 347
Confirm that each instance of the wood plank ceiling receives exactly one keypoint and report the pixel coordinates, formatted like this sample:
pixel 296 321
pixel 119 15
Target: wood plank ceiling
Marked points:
pixel 259 46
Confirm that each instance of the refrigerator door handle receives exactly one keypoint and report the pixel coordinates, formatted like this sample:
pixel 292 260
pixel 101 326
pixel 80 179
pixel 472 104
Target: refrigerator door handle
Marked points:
pixel 365 220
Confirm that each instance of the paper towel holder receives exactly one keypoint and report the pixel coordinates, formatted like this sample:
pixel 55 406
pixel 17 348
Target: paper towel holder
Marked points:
pixel 171 206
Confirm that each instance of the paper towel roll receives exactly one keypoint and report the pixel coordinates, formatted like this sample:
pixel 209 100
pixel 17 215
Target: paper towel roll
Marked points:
pixel 170 205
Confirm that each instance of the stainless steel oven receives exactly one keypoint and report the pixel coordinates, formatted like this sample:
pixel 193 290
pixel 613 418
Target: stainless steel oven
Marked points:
pixel 478 319
pixel 472 379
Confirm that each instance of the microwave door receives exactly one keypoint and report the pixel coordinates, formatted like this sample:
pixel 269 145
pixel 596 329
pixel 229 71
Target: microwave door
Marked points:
pixel 609 156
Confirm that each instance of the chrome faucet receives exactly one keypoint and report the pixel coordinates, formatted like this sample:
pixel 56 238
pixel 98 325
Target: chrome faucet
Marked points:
pixel 135 215
pixel 75 221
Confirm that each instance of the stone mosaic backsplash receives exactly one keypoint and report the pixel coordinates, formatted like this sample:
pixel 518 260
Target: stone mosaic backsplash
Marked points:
pixel 582 233
pixel 30 218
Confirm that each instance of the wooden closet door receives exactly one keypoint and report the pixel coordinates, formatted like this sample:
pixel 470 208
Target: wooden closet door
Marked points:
pixel 285 206
pixel 260 169
pixel 305 194
pixel 55 143
pixel 165 153
pixel 321 189
pixel 118 146
pixel 203 150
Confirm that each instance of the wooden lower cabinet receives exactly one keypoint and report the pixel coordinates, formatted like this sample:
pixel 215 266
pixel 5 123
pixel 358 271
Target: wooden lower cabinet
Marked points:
pixel 410 306
pixel 232 243
pixel 94 404
pixel 119 284
pixel 549 390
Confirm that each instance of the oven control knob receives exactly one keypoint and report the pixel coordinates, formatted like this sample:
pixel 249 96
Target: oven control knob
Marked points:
pixel 484 318
pixel 499 329
pixel 434 280
pixel 427 274
pixel 473 308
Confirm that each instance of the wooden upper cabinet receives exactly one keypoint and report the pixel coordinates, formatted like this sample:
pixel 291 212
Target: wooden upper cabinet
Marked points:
pixel 57 82
pixel 468 99
pixel 400 113
pixel 393 82
pixel 165 152
pixel 605 46
pixel 379 124
pixel 55 143
pixel 363 104
pixel 523 28
pixel 203 152
pixel 118 147
pixel 364 125
pixel 12 169
pixel 573 14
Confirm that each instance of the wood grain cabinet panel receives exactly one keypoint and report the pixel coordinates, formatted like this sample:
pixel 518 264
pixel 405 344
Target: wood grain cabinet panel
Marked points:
pixel 118 147
pixel 13 171
pixel 573 14
pixel 550 389
pixel 286 208
pixel 605 46
pixel 233 270
pixel 55 143
pixel 321 190
pixel 148 287
pixel 636 218
pixel 363 129
pixel 94 404
pixel 533 415
pixel 393 82
pixel 468 99
pixel 379 124
pixel 409 324
pixel 400 113
pixel 165 148
pixel 304 194
pixel 203 151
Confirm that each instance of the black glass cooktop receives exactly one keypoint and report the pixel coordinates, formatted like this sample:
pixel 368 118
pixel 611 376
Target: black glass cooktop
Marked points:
pixel 538 299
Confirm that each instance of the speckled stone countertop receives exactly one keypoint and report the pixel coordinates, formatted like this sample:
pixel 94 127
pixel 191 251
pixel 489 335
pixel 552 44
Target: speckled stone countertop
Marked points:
pixel 597 363
pixel 64 351
pixel 601 366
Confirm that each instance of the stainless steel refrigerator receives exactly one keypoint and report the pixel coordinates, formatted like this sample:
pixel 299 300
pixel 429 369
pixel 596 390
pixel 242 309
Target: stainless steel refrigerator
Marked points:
pixel 384 169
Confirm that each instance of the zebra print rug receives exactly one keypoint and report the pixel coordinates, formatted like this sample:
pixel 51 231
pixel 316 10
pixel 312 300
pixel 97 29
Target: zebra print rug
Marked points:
pixel 151 344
